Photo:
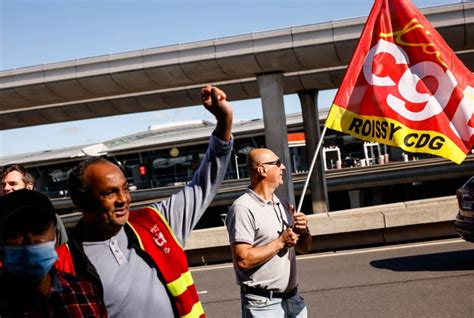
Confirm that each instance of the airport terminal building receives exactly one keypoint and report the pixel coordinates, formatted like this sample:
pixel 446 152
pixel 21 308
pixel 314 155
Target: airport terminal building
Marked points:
pixel 162 159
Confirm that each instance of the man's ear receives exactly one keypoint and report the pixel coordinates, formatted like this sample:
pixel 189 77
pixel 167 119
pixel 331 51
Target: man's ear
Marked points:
pixel 29 186
pixel 261 170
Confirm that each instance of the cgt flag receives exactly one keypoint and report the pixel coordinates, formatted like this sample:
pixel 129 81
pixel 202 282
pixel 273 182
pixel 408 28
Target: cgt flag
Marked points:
pixel 405 87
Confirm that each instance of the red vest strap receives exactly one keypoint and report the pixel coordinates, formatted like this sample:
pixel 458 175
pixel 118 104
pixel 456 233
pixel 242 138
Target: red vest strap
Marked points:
pixel 157 239
pixel 64 263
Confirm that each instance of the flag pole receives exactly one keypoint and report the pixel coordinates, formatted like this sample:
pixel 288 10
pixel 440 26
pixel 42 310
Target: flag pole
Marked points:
pixel 315 156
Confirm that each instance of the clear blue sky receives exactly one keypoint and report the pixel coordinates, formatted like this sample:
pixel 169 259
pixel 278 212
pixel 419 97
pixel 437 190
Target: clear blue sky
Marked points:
pixel 34 32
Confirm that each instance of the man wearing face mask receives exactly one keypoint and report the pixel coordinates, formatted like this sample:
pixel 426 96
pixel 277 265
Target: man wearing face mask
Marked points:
pixel 29 285
pixel 14 177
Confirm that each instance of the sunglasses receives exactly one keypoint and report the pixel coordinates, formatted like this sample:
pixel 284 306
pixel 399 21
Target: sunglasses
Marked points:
pixel 272 163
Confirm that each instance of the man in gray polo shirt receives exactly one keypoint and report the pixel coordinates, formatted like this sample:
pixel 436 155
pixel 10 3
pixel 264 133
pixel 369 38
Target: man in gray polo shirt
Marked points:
pixel 264 233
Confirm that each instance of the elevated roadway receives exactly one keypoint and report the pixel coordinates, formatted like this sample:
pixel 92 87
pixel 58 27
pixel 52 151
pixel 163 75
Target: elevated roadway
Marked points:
pixel 310 57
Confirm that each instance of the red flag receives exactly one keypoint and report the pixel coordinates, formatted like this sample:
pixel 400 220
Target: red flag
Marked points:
pixel 405 87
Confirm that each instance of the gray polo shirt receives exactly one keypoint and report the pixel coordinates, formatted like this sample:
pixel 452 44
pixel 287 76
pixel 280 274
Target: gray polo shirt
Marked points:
pixel 255 221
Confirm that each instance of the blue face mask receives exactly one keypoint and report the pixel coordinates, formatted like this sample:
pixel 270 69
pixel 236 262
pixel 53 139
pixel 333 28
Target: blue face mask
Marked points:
pixel 32 262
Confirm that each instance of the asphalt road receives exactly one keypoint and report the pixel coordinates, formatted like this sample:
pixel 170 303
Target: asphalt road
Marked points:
pixel 428 279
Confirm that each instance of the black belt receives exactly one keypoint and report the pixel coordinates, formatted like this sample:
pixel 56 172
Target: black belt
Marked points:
pixel 268 293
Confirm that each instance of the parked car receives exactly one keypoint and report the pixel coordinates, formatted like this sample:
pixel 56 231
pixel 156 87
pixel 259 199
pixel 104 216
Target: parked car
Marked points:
pixel 464 223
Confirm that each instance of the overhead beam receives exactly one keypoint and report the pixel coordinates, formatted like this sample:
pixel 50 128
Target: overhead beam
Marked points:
pixel 310 57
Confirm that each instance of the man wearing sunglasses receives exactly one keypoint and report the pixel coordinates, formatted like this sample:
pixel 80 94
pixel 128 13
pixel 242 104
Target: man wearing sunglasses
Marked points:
pixel 264 233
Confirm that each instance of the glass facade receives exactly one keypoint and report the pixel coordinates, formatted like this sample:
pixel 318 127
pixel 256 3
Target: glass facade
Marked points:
pixel 175 164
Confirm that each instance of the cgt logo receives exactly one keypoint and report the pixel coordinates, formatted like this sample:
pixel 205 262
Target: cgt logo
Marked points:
pixel 408 82
pixel 159 238
pixel 403 92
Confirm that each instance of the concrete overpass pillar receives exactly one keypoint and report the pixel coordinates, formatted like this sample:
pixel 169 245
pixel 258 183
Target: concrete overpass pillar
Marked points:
pixel 274 119
pixel 354 198
pixel 312 131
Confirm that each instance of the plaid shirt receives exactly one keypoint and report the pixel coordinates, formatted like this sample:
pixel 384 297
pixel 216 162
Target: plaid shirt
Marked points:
pixel 69 297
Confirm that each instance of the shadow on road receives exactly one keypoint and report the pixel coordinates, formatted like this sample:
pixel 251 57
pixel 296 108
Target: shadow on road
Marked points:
pixel 447 261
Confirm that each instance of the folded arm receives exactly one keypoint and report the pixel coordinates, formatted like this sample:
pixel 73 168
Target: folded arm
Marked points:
pixel 247 256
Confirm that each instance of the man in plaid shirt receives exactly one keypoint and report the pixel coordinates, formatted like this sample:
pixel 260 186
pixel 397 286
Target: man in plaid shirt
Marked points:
pixel 29 285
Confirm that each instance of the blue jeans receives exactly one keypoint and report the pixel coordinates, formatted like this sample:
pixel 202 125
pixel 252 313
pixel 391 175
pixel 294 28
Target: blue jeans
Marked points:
pixel 259 306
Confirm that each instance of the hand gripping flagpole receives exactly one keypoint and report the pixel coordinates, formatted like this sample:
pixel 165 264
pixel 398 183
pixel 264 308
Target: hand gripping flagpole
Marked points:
pixel 315 156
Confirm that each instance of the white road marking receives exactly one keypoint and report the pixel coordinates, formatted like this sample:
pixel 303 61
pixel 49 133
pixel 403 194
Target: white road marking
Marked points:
pixel 380 249
pixel 347 252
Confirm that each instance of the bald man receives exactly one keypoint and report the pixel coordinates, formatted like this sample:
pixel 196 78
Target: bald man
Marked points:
pixel 265 232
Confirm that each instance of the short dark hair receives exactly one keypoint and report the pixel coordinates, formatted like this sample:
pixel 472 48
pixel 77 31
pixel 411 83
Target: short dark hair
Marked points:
pixel 76 184
pixel 25 211
pixel 26 176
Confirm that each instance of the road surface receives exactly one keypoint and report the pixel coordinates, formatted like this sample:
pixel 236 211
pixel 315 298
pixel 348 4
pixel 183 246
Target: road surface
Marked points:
pixel 427 279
